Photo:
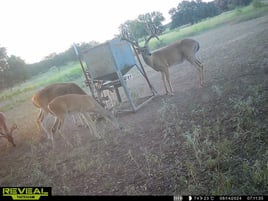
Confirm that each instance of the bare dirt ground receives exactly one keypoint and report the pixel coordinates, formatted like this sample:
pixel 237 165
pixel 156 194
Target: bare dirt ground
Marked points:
pixel 146 156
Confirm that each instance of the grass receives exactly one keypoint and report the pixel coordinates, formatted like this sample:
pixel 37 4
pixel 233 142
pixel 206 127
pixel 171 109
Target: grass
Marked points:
pixel 227 155
pixel 11 97
pixel 234 16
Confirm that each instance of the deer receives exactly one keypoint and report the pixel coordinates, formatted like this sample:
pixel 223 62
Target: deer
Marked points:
pixel 77 103
pixel 173 54
pixel 42 98
pixel 4 132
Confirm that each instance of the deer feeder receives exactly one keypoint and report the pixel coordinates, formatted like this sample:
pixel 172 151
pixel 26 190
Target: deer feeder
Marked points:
pixel 109 62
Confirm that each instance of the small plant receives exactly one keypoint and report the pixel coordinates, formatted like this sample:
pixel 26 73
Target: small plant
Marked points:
pixel 168 113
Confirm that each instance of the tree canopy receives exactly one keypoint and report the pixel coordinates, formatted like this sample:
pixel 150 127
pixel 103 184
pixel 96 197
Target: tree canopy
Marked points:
pixel 190 12
pixel 139 27
pixel 3 59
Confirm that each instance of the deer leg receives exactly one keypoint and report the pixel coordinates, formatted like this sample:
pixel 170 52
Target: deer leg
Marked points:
pixel 92 127
pixel 43 124
pixel 83 120
pixel 61 134
pixel 164 81
pixel 55 126
pixel 76 122
pixel 169 83
pixel 199 66
pixel 53 130
pixel 60 123
pixel 39 119
pixel 201 71
pixel 202 75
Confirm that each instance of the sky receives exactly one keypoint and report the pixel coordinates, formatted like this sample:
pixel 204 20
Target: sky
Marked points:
pixel 33 29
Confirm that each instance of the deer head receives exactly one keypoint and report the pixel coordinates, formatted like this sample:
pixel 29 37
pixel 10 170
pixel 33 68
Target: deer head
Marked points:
pixel 144 50
pixel 8 135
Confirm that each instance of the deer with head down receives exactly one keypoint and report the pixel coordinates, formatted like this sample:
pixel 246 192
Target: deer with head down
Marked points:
pixel 4 132
pixel 61 106
pixel 42 98
pixel 173 54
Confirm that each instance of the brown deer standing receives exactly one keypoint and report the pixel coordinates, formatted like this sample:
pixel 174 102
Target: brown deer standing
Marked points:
pixel 173 54
pixel 4 132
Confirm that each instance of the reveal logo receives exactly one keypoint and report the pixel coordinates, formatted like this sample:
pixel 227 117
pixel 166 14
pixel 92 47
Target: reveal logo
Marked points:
pixel 26 193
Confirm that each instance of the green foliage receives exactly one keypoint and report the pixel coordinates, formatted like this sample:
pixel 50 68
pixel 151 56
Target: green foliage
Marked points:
pixel 190 12
pixel 234 16
pixel 225 155
pixel 257 4
pixel 138 27
pixel 230 153
pixel 68 73
pixel 225 5
pixel 15 70
pixel 3 59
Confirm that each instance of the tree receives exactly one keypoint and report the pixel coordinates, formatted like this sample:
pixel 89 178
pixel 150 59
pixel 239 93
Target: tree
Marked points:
pixel 3 59
pixel 18 72
pixel 15 73
pixel 139 27
pixel 153 19
pixel 222 4
pixel 191 12
pixel 225 5
pixel 152 22
pixel 135 27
